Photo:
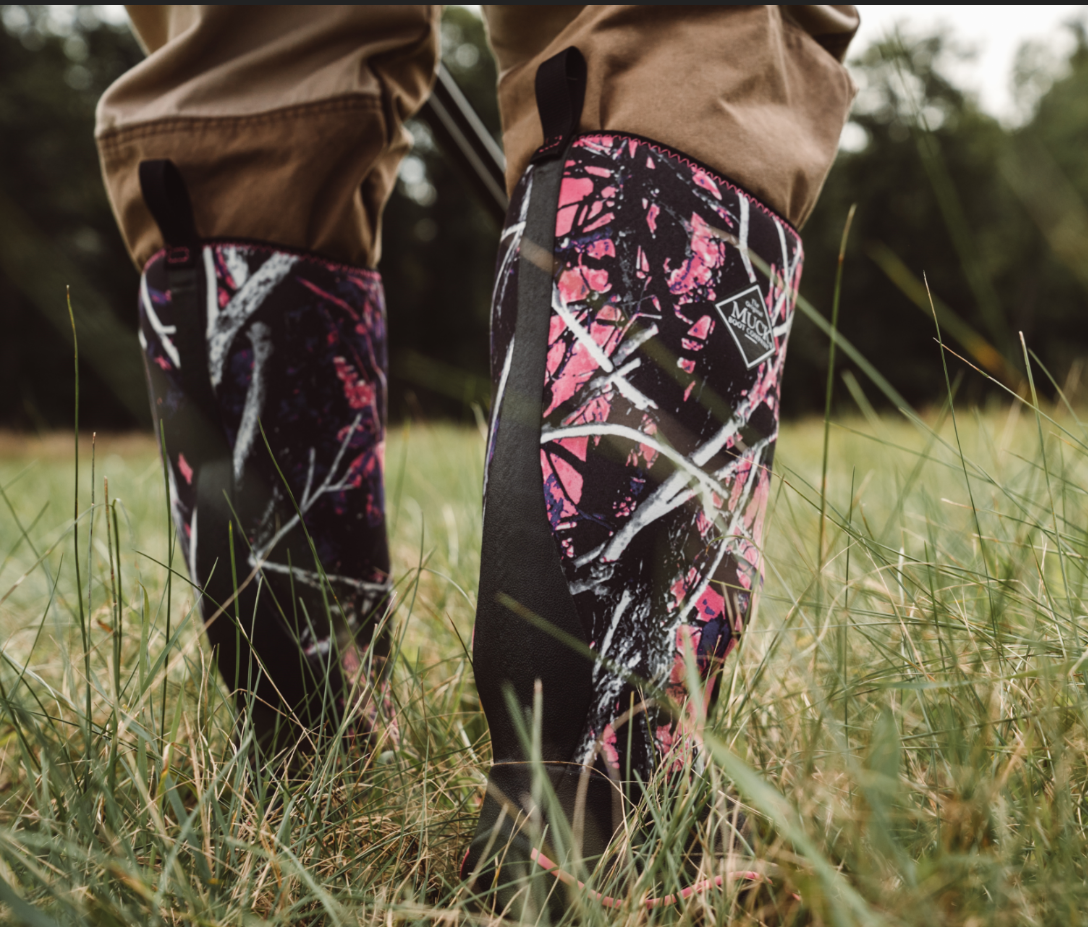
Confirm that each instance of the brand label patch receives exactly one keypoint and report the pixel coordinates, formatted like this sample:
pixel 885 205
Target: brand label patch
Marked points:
pixel 745 315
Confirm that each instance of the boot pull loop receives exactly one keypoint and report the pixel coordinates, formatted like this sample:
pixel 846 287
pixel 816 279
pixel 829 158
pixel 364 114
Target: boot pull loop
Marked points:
pixel 167 198
pixel 560 93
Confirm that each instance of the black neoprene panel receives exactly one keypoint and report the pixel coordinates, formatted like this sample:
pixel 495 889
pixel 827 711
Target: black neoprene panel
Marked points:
pixel 518 558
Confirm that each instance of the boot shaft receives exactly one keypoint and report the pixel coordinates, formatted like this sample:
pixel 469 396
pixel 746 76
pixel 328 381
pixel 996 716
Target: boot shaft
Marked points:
pixel 640 315
pixel 266 370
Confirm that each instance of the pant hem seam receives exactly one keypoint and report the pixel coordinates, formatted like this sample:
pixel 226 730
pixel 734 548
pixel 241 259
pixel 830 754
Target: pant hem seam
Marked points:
pixel 115 137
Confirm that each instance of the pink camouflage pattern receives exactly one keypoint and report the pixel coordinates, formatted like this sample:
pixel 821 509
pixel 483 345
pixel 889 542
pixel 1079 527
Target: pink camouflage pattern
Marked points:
pixel 661 404
pixel 295 355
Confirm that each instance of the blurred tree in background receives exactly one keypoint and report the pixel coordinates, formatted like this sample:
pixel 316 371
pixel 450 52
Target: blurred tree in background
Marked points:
pixel 56 227
pixel 993 217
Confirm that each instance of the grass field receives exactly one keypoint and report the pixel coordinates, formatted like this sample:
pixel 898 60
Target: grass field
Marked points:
pixel 905 719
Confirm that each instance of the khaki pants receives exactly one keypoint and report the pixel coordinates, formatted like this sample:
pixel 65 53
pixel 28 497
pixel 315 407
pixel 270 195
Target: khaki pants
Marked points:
pixel 287 122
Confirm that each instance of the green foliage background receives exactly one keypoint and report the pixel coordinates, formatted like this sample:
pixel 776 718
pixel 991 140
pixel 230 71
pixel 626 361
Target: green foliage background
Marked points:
pixel 993 217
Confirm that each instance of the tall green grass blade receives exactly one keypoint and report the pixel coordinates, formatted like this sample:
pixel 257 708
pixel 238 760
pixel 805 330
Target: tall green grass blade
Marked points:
pixel 831 379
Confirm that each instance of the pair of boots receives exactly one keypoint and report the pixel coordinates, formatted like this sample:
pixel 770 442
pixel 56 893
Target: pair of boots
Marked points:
pixel 639 321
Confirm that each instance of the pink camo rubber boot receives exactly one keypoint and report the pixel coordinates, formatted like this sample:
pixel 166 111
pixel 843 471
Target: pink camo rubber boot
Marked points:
pixel 266 370
pixel 639 323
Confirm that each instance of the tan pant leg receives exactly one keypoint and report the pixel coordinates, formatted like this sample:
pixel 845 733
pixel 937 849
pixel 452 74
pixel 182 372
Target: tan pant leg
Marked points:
pixel 754 92
pixel 285 121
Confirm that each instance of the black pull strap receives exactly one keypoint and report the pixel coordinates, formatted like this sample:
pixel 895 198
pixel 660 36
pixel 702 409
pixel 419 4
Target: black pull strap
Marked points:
pixel 168 199
pixel 560 93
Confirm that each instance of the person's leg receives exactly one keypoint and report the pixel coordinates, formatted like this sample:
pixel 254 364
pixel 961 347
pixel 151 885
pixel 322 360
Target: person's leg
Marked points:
pixel 643 301
pixel 248 159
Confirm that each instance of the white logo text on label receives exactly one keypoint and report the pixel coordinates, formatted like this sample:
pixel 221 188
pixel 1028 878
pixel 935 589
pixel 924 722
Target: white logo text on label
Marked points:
pixel 745 315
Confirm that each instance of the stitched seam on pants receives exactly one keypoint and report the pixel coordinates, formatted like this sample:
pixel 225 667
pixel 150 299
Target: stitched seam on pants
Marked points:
pixel 116 137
